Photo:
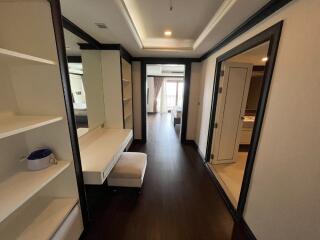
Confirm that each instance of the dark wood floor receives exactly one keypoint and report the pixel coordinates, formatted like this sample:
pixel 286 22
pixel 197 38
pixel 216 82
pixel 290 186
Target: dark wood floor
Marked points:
pixel 178 199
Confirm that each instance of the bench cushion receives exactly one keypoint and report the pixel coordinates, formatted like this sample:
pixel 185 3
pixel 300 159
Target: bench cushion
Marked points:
pixel 129 170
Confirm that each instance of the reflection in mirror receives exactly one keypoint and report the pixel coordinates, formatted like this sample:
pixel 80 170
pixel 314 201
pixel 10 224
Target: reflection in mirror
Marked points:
pixel 86 84
pixel 237 103
pixel 78 94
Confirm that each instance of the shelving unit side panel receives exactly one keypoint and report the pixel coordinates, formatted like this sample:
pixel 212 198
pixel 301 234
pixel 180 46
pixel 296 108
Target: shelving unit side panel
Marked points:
pixel 127 93
pixel 92 79
pixel 12 150
pixel 8 101
pixel 111 72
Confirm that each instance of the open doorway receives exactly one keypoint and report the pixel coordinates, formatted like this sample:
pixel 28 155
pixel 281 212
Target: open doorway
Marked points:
pixel 164 95
pixel 238 99
pixel 242 81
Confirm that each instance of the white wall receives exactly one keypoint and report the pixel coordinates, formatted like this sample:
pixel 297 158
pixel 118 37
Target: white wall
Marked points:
pixel 150 97
pixel 92 81
pixel 111 73
pixel 136 81
pixel 284 196
pixel 194 101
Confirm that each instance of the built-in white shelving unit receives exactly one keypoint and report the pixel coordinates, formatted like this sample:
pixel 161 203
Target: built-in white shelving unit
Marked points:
pixel 127 93
pixel 11 124
pixel 22 185
pixel 33 204
pixel 48 215
pixel 117 89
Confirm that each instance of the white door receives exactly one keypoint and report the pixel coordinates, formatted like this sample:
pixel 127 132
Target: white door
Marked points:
pixel 232 98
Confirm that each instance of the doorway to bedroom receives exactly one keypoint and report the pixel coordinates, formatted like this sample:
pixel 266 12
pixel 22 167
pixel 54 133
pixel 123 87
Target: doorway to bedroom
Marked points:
pixel 164 98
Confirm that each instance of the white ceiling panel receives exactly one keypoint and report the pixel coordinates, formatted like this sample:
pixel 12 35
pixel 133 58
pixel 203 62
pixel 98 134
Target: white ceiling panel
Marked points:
pixel 139 24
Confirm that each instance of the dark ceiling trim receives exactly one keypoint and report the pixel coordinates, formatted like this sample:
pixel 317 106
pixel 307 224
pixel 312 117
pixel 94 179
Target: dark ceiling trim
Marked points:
pixel 264 12
pixel 257 68
pixel 125 54
pixel 87 46
pixel 110 46
pixel 74 59
pixel 172 76
pixel 70 26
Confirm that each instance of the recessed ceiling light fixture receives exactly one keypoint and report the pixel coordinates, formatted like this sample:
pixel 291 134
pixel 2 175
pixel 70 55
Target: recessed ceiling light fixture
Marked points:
pixel 264 59
pixel 167 33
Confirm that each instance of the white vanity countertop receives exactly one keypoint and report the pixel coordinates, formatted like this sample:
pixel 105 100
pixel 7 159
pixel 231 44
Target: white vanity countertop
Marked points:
pixel 100 150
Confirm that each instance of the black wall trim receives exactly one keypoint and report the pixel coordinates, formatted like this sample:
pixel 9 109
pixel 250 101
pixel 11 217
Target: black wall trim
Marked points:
pixel 61 51
pixel 246 229
pixel 110 47
pixel 166 76
pixel 186 93
pixel 70 26
pixel 240 221
pixel 257 68
pixel 123 52
pixel 264 12
pixel 74 59
pixel 272 35
pixel 143 102
pixel 185 107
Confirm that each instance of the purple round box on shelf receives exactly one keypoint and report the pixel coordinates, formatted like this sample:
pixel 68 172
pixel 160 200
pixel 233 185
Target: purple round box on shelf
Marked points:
pixel 40 159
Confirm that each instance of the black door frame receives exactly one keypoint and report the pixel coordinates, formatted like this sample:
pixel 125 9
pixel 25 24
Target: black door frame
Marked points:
pixel 64 73
pixel 272 35
pixel 186 92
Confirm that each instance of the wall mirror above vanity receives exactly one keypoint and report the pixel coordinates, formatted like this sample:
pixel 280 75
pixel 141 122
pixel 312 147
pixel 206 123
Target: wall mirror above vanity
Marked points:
pixel 85 75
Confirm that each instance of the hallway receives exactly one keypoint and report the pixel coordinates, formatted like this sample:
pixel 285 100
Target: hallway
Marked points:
pixel 178 199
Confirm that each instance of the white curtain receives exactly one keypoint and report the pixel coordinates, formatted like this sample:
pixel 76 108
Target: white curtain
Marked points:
pixel 163 101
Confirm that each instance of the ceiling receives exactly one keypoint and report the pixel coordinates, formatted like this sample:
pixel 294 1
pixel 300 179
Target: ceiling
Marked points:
pixel 72 41
pixel 139 25
pixel 253 55
pixel 186 19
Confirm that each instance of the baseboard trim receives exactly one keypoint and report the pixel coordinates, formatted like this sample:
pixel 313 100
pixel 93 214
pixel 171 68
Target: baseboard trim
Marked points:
pixel 83 235
pixel 242 223
pixel 246 229
pixel 196 147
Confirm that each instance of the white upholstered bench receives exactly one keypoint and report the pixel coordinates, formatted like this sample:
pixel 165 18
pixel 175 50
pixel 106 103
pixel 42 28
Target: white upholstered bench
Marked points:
pixel 129 170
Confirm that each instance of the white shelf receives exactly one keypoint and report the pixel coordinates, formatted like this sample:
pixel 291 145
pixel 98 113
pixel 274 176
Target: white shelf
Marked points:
pixel 11 124
pixel 20 187
pixel 127 115
pixel 127 99
pixel 126 80
pixel 47 216
pixel 12 57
